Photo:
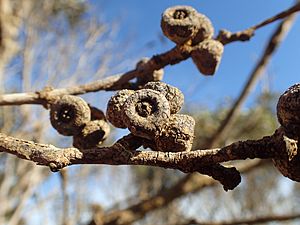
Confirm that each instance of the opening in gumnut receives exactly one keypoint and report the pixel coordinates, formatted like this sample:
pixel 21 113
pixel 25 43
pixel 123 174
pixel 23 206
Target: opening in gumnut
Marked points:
pixel 65 114
pixel 145 108
pixel 180 14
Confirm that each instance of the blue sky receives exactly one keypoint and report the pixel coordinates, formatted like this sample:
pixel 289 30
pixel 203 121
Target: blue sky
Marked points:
pixel 139 24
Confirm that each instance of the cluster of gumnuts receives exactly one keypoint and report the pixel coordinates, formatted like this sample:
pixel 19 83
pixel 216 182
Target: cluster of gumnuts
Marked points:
pixel 72 116
pixel 185 26
pixel 151 113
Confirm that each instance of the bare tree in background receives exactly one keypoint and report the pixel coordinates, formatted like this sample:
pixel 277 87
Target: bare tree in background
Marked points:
pixel 47 44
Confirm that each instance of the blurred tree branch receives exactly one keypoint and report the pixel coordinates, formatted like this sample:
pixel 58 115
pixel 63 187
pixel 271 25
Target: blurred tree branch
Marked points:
pixel 257 220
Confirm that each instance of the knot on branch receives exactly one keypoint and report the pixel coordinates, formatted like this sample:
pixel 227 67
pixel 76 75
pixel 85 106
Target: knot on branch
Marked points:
pixel 207 56
pixel 183 23
pixel 69 114
pixel 226 36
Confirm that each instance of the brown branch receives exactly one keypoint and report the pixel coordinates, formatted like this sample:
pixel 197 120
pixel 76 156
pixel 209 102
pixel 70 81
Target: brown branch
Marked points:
pixel 272 45
pixel 227 37
pixel 217 171
pixel 123 153
pixel 116 82
pixel 192 182
pixel 258 220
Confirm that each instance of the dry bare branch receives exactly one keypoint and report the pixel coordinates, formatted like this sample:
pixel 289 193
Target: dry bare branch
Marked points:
pixel 257 220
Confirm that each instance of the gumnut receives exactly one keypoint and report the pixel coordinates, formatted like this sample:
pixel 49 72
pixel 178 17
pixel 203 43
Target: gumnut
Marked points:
pixel 114 112
pixel 183 23
pixel 92 135
pixel 69 114
pixel 288 109
pixel 288 114
pixel 207 56
pixel 177 134
pixel 172 94
pixel 144 112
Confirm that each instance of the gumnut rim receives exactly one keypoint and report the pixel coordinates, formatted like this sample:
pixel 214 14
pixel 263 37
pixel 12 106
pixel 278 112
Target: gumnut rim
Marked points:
pixel 69 114
pixel 172 94
pixel 145 111
pixel 183 23
pixel 115 105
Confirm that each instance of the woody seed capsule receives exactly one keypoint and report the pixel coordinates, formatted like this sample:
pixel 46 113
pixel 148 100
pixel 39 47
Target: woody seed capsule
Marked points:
pixel 145 111
pixel 183 23
pixel 207 56
pixel 172 94
pixel 69 114
pixel 114 112
pixel 92 135
pixel 177 134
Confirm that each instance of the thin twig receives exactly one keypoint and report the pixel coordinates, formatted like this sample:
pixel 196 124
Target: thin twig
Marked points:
pixel 257 220
pixel 123 153
pixel 193 180
pixel 227 37
pixel 257 72
pixel 116 82
pixel 64 184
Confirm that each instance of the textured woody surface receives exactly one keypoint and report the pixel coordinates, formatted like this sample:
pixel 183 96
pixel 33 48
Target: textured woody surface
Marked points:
pixel 145 111
pixel 172 94
pixel 288 113
pixel 177 134
pixel 207 56
pixel 92 135
pixel 114 112
pixel 288 109
pixel 69 114
pixel 183 23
